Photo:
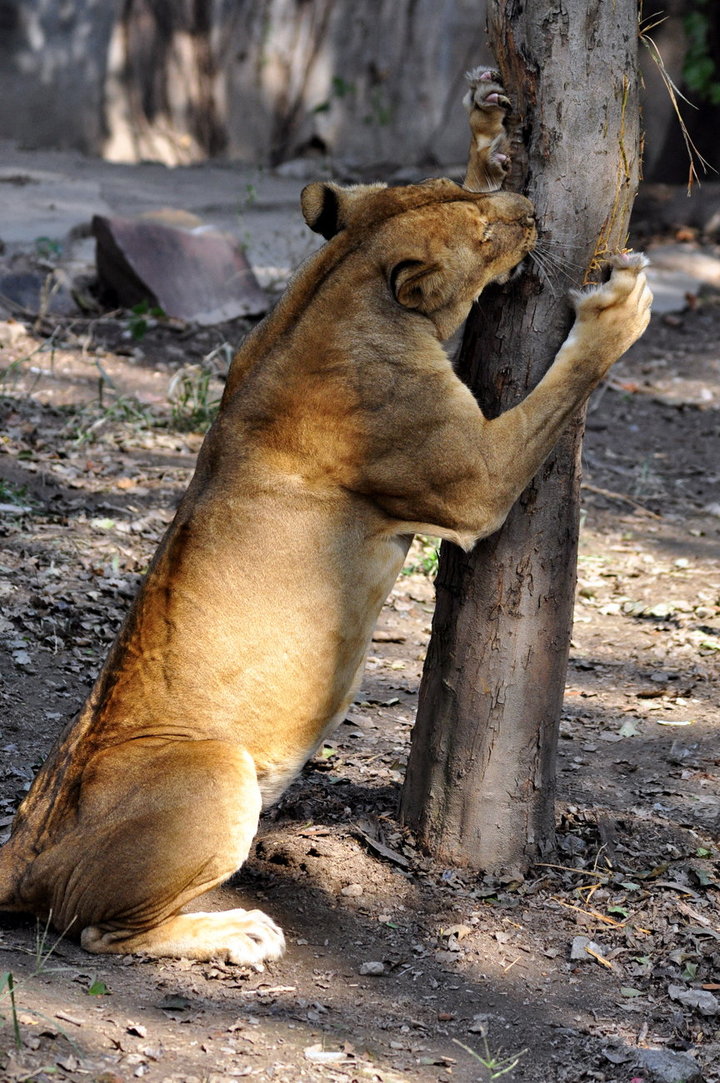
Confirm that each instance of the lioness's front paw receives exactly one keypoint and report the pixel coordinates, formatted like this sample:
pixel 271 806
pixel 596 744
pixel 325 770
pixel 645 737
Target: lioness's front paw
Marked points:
pixel 615 313
pixel 627 284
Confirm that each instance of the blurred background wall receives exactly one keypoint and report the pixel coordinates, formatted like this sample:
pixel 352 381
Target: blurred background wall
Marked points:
pixel 267 80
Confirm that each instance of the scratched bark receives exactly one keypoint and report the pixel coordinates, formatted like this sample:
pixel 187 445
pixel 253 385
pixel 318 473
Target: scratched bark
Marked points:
pixel 480 784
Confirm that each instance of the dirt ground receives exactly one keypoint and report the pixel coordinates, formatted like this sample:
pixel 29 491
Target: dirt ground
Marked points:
pixel 473 978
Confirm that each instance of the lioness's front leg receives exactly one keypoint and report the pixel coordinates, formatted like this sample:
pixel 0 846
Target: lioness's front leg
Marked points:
pixel 609 318
pixel 488 107
pixel 469 470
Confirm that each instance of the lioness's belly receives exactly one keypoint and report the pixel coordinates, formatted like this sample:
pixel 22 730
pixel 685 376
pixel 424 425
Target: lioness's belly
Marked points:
pixel 252 627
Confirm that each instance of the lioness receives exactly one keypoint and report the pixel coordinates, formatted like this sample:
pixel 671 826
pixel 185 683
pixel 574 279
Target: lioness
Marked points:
pixel 342 431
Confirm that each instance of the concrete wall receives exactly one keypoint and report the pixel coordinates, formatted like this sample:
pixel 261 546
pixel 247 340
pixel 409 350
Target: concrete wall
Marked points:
pixel 53 61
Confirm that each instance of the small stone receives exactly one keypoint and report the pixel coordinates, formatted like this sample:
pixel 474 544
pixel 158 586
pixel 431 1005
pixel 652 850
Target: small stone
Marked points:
pixel 616 1056
pixel 11 332
pixel 700 999
pixel 352 890
pixel 662 610
pixel 480 1024
pixel 372 969
pixel 577 948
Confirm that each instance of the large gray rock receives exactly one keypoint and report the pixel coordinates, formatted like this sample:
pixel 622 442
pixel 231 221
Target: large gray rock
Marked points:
pixel 197 274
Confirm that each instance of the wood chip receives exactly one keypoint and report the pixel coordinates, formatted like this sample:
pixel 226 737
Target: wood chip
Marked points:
pixel 69 1019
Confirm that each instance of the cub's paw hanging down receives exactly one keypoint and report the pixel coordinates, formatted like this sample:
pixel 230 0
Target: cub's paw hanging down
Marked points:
pixel 488 108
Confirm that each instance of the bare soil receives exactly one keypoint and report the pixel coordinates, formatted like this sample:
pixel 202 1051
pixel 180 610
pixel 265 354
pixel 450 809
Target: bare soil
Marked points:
pixel 93 460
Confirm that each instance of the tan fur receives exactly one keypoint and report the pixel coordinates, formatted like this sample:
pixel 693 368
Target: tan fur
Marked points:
pixel 343 429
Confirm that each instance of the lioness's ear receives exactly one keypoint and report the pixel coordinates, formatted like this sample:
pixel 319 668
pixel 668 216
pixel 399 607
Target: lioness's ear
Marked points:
pixel 320 206
pixel 419 285
pixel 328 207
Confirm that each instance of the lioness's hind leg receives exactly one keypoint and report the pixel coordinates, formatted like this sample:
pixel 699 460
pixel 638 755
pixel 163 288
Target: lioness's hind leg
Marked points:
pixel 161 822
pixel 488 107
pixel 237 936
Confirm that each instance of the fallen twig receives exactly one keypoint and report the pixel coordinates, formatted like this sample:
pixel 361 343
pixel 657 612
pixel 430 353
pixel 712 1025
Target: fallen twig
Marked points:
pixel 611 495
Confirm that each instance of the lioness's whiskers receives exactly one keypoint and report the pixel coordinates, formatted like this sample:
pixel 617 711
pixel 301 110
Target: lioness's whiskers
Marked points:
pixel 558 250
pixel 554 242
pixel 543 270
pixel 559 263
pixel 561 245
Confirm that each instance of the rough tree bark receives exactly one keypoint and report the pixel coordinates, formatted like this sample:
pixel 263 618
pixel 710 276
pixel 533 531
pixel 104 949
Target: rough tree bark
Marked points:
pixel 480 782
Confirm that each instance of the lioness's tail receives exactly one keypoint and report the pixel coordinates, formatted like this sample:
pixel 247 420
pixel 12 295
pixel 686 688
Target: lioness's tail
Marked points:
pixel 8 881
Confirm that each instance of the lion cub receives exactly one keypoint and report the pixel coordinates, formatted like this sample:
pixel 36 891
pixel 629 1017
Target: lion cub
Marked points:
pixel 343 430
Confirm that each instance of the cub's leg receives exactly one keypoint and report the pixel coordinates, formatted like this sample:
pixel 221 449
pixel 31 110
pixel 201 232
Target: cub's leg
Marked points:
pixel 488 108
pixel 159 822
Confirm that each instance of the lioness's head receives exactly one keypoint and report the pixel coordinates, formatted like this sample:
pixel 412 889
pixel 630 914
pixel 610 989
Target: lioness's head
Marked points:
pixel 437 245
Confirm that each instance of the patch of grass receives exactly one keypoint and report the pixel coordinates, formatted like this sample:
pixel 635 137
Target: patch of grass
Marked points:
pixel 141 318
pixel 10 374
pixel 125 409
pixel 13 494
pixel 194 407
pixel 497 1066
pixel 423 558
pixel 7 989
pixel 9 985
pixel 47 248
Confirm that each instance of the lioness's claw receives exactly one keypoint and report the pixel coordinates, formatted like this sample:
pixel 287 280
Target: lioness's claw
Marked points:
pixel 628 261
pixel 618 308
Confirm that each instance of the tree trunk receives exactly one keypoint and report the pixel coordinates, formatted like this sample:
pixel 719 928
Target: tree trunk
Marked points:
pixel 480 783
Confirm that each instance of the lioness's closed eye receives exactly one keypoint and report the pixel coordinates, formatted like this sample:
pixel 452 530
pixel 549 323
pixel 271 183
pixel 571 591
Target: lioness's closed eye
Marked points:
pixel 342 430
